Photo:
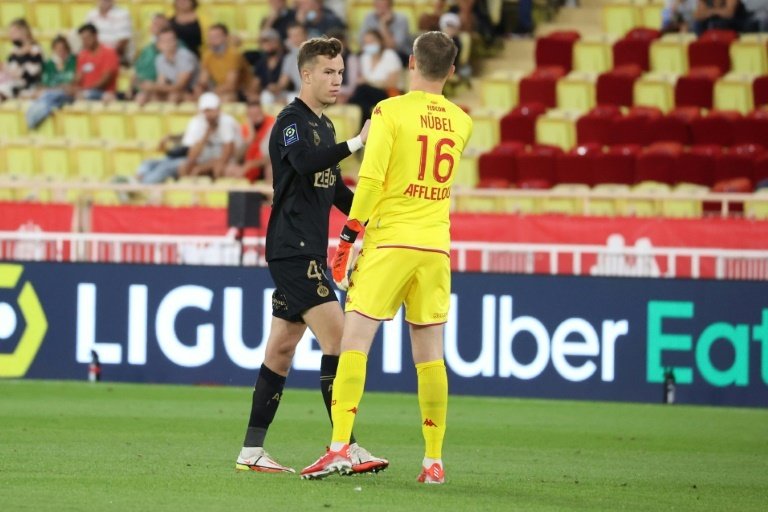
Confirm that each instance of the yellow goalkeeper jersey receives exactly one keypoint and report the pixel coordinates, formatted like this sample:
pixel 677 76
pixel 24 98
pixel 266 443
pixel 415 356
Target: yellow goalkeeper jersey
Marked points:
pixel 413 149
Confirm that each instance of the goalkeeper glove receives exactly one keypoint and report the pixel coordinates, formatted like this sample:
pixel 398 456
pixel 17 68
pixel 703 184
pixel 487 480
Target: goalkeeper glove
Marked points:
pixel 342 260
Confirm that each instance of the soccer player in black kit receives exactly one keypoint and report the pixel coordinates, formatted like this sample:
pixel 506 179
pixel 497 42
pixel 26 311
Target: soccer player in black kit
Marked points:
pixel 307 183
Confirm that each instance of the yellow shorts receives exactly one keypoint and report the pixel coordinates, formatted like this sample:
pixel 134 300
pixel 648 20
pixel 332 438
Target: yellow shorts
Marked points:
pixel 384 278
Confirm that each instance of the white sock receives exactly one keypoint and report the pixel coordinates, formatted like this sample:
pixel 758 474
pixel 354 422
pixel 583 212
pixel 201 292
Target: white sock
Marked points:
pixel 337 445
pixel 427 463
pixel 248 452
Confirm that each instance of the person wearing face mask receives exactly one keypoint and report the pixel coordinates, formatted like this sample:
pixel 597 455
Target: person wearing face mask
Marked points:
pixel 24 66
pixel 380 70
pixel 316 18
pixel 393 27
pixel 223 68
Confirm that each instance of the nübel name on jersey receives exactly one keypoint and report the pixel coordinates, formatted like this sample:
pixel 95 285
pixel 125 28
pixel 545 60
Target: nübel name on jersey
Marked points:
pixel 436 123
pixel 430 193
pixel 325 179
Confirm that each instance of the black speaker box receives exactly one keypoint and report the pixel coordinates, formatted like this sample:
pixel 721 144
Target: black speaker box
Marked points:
pixel 244 209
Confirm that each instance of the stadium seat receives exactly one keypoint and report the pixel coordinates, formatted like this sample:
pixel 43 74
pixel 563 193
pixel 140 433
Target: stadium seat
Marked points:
pixel 12 123
pixel 147 123
pixel 596 125
pixel 577 165
pixel 11 10
pixel 618 19
pixel 647 207
pixel 90 160
pixel 346 120
pixel 467 172
pixel 655 90
pixel 749 57
pixel 697 165
pixel 576 92
pixel 254 12
pixel 519 124
pixel 617 164
pixel 634 48
pixel 610 205
pixel 634 127
pixel 573 205
pixel 54 159
pixel 616 87
pixel 485 129
pixel 227 12
pixel 77 11
pixel 556 128
pixel 111 122
pixel 657 162
pixel 498 168
pixel 684 208
pixel 540 87
pixel 19 158
pixel 696 89
pixel 555 50
pixel 126 156
pixel 674 127
pixel 593 55
pixel 734 92
pixel 737 162
pixel 710 53
pixel 651 15
pixel 760 91
pixel 75 122
pixel 50 15
pixel 715 128
pixel 177 117
pixel 752 128
pixel 536 167
pixel 669 56
pixel 501 89
pixel 757 208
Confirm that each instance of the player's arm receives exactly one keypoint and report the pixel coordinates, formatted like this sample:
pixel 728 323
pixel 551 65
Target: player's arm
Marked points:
pixel 303 155
pixel 368 192
pixel 342 195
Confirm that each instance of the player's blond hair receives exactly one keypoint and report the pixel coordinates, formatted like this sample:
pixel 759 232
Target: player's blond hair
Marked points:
pixel 435 53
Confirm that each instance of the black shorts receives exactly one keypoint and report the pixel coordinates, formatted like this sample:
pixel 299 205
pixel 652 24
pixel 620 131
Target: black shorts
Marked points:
pixel 300 284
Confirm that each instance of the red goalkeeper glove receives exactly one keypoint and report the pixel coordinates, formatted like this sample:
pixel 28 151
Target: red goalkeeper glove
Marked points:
pixel 343 258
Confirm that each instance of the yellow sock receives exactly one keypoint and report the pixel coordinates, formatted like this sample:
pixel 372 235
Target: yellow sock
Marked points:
pixel 347 391
pixel 433 402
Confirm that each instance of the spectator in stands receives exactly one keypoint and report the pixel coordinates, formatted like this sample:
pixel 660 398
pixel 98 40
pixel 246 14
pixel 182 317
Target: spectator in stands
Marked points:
pixel 450 23
pixel 144 75
pixel 287 87
pixel 317 19
pixel 97 67
pixel 270 64
pixel 392 26
pixel 678 15
pixel 756 16
pixel 279 18
pixel 718 14
pixel 23 69
pixel 254 163
pixel 58 78
pixel 157 170
pixel 187 25
pixel 224 70
pixel 176 69
pixel 380 70
pixel 114 27
pixel 213 139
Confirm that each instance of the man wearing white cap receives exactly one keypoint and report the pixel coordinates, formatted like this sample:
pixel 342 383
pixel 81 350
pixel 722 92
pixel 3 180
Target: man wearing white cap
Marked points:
pixel 212 138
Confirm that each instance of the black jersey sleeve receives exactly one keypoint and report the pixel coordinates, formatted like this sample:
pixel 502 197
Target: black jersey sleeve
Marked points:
pixel 295 146
pixel 342 198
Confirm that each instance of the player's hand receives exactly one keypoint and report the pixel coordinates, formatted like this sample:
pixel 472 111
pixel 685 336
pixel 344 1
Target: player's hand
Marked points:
pixel 342 259
pixel 364 131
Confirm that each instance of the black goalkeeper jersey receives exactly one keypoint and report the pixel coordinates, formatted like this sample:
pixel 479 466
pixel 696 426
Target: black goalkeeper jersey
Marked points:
pixel 307 182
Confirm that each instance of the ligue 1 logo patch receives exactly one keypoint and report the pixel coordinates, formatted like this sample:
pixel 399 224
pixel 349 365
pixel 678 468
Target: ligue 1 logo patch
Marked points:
pixel 290 134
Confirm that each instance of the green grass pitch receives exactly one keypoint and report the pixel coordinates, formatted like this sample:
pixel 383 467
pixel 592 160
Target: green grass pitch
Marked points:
pixel 77 446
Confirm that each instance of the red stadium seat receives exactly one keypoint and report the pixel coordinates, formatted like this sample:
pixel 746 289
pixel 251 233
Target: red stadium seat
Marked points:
pixel 670 129
pixel 716 128
pixel 617 165
pixel 738 162
pixel 760 91
pixel 634 128
pixel 556 50
pixel 633 48
pixel 595 126
pixel 577 165
pixel 657 162
pixel 540 87
pixel 497 168
pixel 520 124
pixel 696 89
pixel 752 128
pixel 710 53
pixel 536 167
pixel 616 86
pixel 697 165
pixel 760 175
pixel 722 35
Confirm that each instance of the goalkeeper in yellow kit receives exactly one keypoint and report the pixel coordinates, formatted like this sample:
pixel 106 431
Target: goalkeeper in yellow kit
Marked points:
pixel 403 194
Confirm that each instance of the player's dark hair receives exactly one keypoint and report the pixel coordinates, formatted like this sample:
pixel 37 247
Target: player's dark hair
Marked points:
pixel 88 27
pixel 326 46
pixel 435 53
